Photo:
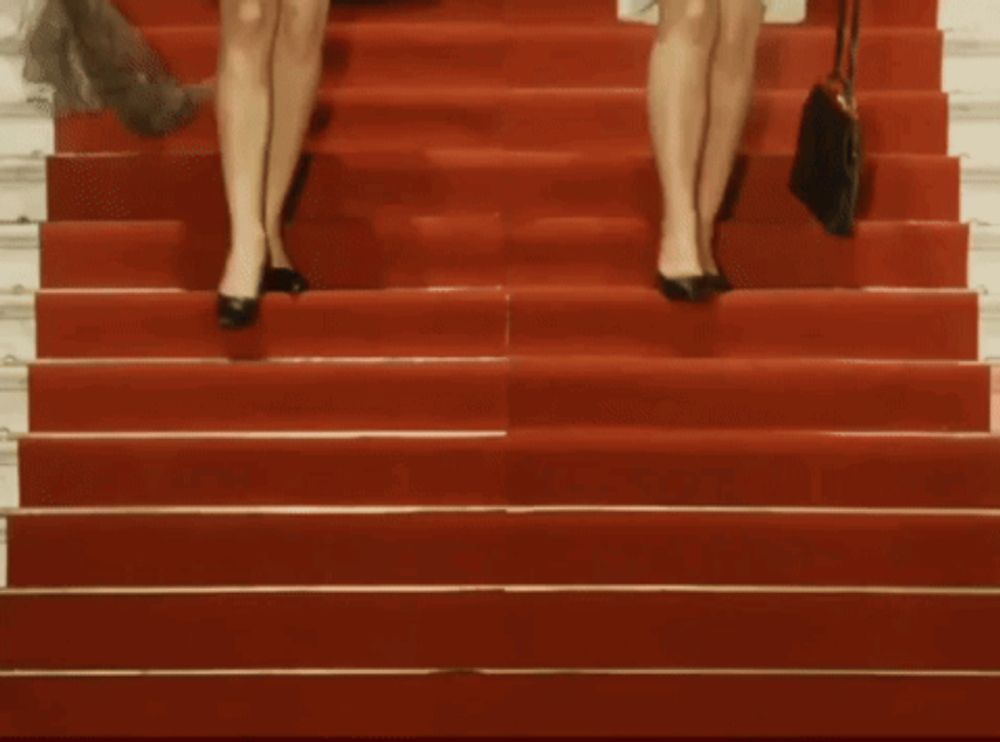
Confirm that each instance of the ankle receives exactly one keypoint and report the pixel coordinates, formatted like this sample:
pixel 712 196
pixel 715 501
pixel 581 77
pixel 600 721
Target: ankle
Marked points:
pixel 248 242
pixel 276 251
pixel 244 267
pixel 678 266
pixel 679 249
pixel 706 247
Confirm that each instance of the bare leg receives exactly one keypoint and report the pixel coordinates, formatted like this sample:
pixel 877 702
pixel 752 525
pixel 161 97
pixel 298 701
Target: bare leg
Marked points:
pixel 730 98
pixel 248 30
pixel 298 59
pixel 678 107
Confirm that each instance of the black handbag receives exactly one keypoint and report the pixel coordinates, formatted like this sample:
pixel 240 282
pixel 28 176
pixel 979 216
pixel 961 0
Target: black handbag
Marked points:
pixel 826 175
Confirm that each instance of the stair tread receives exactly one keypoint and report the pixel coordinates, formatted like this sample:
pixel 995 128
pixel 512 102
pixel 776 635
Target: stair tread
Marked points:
pixel 468 703
pixel 692 627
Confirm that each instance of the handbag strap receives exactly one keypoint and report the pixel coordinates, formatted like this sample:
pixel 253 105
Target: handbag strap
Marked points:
pixel 849 76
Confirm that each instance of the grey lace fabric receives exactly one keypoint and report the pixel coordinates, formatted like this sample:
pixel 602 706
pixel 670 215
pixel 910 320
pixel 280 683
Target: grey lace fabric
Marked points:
pixel 94 59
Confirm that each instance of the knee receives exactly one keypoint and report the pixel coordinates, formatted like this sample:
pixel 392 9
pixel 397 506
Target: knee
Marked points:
pixel 695 21
pixel 248 29
pixel 302 27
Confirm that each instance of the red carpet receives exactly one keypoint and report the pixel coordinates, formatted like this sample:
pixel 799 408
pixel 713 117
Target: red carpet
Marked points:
pixel 540 467
pixel 484 480
pixel 482 250
pixel 291 630
pixel 609 704
pixel 595 548
pixel 525 184
pixel 895 121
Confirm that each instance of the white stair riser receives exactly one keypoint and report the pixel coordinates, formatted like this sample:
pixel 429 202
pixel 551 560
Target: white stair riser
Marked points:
pixel 20 257
pixel 17 339
pixel 968 74
pixel 23 193
pixel 984 269
pixel 18 327
pixel 10 488
pixel 14 398
pixel 25 130
pixel 974 128
pixel 980 193
pixel 989 335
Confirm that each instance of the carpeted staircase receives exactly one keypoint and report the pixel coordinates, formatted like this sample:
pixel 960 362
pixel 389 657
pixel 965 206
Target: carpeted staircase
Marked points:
pixel 485 480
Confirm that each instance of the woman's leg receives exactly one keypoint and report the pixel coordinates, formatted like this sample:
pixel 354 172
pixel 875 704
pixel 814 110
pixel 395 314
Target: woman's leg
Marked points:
pixel 730 97
pixel 298 61
pixel 678 104
pixel 244 106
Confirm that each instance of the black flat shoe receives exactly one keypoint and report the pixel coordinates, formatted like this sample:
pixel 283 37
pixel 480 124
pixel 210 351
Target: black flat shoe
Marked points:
pixel 690 289
pixel 285 281
pixel 716 283
pixel 237 313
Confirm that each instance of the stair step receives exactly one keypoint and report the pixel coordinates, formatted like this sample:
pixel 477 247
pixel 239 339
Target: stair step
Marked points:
pixel 566 548
pixel 642 467
pixel 339 252
pixel 548 55
pixel 895 254
pixel 207 396
pixel 692 393
pixel 469 323
pixel 485 250
pixel 261 470
pixel 542 321
pixel 361 183
pixel 548 467
pixel 748 393
pixel 893 121
pixel 466 704
pixel 497 629
pixel 833 324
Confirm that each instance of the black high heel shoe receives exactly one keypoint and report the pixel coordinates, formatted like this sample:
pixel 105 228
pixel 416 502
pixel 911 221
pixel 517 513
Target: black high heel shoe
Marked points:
pixel 717 283
pixel 237 313
pixel 285 281
pixel 691 289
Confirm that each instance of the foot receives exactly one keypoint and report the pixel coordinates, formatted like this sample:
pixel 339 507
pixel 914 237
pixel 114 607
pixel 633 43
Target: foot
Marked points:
pixel 691 290
pixel 281 276
pixel 680 272
pixel 285 281
pixel 237 314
